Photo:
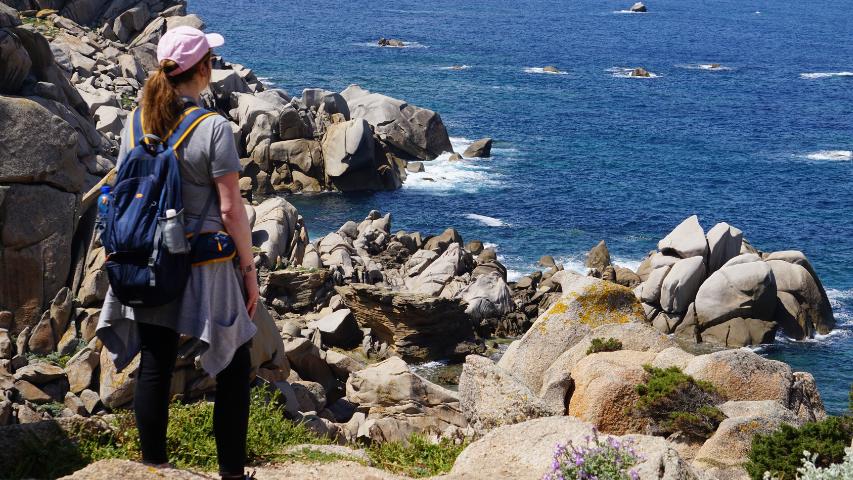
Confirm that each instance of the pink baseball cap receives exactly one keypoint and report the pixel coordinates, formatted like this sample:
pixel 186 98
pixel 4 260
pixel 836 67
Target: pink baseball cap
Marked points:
pixel 186 46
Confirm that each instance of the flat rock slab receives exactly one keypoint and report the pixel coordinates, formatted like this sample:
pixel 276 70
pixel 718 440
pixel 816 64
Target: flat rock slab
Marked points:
pixel 416 326
pixel 127 470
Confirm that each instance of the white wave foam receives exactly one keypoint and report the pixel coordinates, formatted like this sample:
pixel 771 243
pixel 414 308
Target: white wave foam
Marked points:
pixel 487 221
pixel 710 67
pixel 574 263
pixel 431 364
pixel 626 262
pixel 405 45
pixel 490 245
pixel 542 70
pixel 839 299
pixel 626 11
pixel 456 67
pixel 831 155
pixel 513 275
pixel 625 72
pixel 444 176
pixel 266 81
pixel 819 75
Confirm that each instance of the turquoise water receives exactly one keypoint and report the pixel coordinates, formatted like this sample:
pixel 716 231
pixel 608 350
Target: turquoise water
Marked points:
pixel 764 142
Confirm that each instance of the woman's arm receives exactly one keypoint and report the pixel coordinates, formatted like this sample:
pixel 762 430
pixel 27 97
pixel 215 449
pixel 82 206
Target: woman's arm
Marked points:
pixel 237 225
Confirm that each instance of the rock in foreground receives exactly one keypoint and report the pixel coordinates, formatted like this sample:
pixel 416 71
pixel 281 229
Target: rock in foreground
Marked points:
pixel 526 450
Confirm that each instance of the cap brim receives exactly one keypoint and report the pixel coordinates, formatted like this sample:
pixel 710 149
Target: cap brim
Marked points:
pixel 214 40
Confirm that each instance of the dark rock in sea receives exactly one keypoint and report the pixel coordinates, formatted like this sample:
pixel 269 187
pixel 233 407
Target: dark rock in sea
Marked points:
pixel 480 149
pixel 640 72
pixel 391 42
pixel 638 7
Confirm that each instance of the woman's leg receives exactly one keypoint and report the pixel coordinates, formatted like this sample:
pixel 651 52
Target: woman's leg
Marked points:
pixel 159 348
pixel 231 413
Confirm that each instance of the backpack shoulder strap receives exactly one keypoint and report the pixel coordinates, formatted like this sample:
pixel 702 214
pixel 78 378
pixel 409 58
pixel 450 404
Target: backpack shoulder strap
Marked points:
pixel 135 127
pixel 191 118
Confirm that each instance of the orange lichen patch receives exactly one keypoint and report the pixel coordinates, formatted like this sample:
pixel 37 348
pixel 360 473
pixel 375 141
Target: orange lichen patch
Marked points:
pixel 605 302
pixel 749 427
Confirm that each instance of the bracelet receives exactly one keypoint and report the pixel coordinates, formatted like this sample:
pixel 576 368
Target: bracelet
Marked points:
pixel 247 269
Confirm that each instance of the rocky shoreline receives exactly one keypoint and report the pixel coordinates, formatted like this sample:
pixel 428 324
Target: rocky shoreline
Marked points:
pixel 348 314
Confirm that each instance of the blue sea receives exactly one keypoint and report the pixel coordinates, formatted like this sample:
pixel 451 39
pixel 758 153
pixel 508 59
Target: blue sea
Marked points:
pixel 764 142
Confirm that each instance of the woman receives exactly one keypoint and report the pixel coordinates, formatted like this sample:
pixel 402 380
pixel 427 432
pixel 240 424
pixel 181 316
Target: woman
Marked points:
pixel 216 308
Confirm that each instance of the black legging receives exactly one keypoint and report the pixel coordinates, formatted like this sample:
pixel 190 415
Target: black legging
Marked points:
pixel 151 401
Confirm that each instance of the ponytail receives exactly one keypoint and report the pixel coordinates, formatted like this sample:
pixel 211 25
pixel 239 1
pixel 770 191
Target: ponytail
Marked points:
pixel 161 106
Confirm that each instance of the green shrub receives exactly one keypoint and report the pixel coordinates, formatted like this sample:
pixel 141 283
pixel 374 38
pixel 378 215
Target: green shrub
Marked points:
pixel 53 408
pixel 53 358
pixel 672 402
pixel 780 452
pixel 838 471
pixel 602 345
pixel 416 458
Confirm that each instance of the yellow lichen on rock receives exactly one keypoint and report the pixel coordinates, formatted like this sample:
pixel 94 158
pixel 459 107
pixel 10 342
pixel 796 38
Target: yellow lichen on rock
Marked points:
pixel 605 302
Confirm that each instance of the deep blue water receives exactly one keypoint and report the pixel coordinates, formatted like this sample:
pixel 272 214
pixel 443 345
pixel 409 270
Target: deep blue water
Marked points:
pixel 590 155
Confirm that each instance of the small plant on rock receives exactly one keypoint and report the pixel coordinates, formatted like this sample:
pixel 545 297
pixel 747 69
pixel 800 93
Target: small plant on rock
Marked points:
pixel 600 459
pixel 779 454
pixel 602 345
pixel 675 402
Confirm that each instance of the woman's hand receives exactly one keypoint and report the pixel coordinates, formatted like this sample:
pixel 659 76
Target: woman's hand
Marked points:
pixel 250 280
pixel 237 224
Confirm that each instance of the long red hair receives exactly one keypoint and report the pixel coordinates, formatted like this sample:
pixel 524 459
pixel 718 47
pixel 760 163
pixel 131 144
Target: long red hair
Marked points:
pixel 160 100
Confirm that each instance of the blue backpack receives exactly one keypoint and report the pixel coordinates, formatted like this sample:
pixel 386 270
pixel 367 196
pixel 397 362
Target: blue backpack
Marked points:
pixel 142 271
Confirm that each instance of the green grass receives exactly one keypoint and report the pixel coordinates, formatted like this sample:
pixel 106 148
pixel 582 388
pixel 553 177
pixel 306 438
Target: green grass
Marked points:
pixel 127 102
pixel 53 408
pixel 190 441
pixel 46 27
pixel 602 345
pixel 53 358
pixel 675 402
pixel 307 455
pixel 781 452
pixel 191 444
pixel 416 458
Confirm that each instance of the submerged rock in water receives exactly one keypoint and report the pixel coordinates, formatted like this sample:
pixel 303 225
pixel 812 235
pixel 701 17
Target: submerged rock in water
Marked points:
pixel 390 42
pixel 638 7
pixel 640 72
pixel 480 149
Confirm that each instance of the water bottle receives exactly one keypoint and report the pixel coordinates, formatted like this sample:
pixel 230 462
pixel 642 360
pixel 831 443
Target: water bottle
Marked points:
pixel 173 233
pixel 104 201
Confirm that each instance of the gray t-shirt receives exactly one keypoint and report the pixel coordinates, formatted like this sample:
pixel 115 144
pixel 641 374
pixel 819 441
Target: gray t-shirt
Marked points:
pixel 209 152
